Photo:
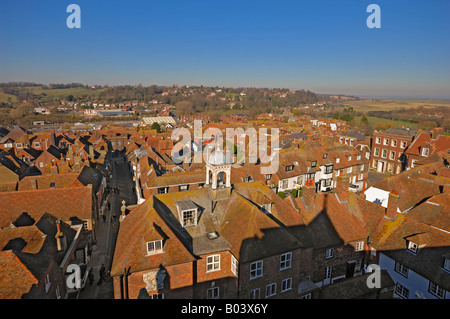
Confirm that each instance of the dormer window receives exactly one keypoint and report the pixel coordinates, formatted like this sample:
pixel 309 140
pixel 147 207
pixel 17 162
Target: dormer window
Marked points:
pixel 187 212
pixel 266 208
pixel 325 155
pixel 313 164
pixel 358 157
pixel 349 158
pixel 289 168
pixel 425 151
pixel 154 247
pixel 413 247
pixel 338 160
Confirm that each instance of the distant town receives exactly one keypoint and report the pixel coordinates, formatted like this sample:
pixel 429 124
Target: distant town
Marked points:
pixel 95 206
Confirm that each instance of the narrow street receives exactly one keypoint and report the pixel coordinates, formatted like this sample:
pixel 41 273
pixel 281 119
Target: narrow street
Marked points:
pixel 121 188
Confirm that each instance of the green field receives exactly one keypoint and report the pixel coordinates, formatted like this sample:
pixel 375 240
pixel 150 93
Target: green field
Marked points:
pixel 48 95
pixel 373 121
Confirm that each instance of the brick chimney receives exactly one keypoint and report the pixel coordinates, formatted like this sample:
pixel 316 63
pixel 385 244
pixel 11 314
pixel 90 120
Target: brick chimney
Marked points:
pixel 54 168
pixel 342 189
pixel 60 240
pixel 309 194
pixel 391 210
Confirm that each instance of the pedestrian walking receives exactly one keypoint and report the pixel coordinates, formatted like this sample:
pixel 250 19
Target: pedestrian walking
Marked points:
pixel 104 217
pixel 102 274
pixel 91 276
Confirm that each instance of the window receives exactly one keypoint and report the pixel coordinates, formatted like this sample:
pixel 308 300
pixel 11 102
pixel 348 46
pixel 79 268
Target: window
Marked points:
pixel 286 284
pixel 311 176
pixel 338 159
pixel 362 167
pixel 349 169
pixel 183 188
pixel 401 291
pixel 154 247
pixel 425 151
pixel 52 185
pixel 401 269
pixel 37 144
pixel 255 294
pixel 329 169
pixel 329 253
pixel 271 290
pixel 392 155
pixel 41 164
pixel 157 296
pixel 325 155
pixel 19 145
pixel 359 246
pixel 360 177
pixel 289 168
pixel 268 176
pixel 163 190
pixel 384 154
pixel 328 271
pixel 285 261
pixel 266 208
pixel 307 296
pixel 213 263
pixel 349 158
pixel 394 143
pixel 313 164
pixel 378 140
pixel 213 293
pixel 327 182
pixel 386 141
pixel 436 290
pixel 403 144
pixel 234 265
pixel 413 247
pixel 447 264
pixel 367 155
pixel 189 218
pixel 256 269
pixel 358 157
pixel 377 151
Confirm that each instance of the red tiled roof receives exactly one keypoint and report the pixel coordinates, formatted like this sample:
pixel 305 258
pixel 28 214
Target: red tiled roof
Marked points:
pixel 64 203
pixel 15 279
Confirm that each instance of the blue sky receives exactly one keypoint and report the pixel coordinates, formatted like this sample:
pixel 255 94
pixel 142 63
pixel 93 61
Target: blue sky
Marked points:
pixel 321 45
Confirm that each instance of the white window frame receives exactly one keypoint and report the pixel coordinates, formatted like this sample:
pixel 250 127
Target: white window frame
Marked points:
pixel 403 144
pixel 378 140
pixel 285 261
pixel 329 253
pixel 187 220
pixel 213 263
pixel 256 269
pixel 427 151
pixel 446 264
pixel 401 269
pixel 383 154
pixel 436 290
pixel 359 246
pixel 349 169
pixel 328 272
pixel 286 285
pixel 154 247
pixel 385 141
pixel 392 155
pixel 307 296
pixel 394 143
pixel 234 265
pixel 413 247
pixel 338 159
pixel 271 290
pixel 213 293
pixel 376 151
pixel 401 291
pixel 255 293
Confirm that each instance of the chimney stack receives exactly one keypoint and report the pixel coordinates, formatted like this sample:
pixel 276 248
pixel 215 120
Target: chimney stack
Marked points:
pixel 60 243
pixel 309 194
pixel 342 189
pixel 392 206
pixel 54 168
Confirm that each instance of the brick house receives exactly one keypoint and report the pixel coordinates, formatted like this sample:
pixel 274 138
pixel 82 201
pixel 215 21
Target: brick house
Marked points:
pixel 388 148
